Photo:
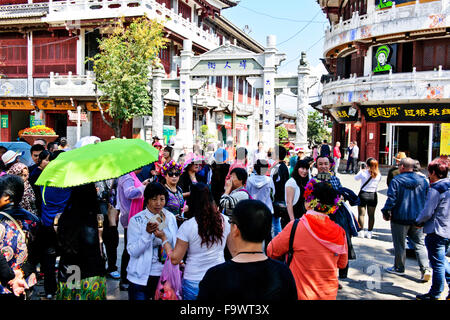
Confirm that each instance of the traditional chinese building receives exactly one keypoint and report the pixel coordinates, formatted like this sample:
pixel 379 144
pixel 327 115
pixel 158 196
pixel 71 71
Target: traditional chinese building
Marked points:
pixel 44 46
pixel 389 82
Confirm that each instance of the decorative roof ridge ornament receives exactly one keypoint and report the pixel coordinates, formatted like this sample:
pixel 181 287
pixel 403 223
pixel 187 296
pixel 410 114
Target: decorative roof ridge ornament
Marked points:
pixel 303 61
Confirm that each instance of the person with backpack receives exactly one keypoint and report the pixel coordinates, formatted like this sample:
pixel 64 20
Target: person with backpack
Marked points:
pixel 319 245
pixel 17 273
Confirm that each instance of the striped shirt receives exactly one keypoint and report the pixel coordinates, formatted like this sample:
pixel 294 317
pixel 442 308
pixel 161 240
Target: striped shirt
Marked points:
pixel 229 201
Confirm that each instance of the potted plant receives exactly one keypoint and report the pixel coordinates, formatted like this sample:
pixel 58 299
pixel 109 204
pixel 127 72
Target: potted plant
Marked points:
pixel 38 132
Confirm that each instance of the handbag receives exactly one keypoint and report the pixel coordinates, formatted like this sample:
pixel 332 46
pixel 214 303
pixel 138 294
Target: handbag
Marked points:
pixel 169 285
pixel 280 209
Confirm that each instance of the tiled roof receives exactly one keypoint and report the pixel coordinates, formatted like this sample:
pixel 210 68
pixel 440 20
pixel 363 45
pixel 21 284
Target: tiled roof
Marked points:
pixel 23 11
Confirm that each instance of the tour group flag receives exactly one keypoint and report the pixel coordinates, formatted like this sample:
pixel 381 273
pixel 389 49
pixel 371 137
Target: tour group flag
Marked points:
pixel 97 162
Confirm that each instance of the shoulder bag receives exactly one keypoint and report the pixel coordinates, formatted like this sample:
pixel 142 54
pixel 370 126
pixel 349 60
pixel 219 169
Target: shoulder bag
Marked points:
pixel 366 196
pixel 290 253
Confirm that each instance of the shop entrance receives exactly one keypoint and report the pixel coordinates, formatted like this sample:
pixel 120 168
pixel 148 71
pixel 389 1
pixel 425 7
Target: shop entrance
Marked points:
pixel 19 120
pixel 414 140
pixel 57 120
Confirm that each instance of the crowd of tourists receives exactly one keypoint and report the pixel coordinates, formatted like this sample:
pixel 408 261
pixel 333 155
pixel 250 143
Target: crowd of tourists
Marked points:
pixel 274 226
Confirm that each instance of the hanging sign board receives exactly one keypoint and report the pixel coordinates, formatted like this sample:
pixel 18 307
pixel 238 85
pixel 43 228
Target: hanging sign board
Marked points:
pixel 11 104
pixel 344 114
pixel 445 139
pixel 46 104
pixel 73 116
pixel 4 121
pixel 407 112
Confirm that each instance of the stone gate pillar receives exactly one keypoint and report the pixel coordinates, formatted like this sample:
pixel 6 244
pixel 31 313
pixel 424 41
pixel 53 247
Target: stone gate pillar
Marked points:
pixel 157 103
pixel 301 138
pixel 268 109
pixel 184 137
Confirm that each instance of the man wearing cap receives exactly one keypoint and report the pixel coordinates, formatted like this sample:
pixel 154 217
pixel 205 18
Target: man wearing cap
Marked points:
pixel 395 170
pixel 300 155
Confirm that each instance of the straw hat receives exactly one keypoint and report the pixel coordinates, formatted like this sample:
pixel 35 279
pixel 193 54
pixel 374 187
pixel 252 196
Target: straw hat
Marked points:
pixel 400 156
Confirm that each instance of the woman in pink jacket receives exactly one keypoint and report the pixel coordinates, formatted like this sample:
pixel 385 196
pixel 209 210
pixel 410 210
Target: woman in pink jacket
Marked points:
pixel 319 246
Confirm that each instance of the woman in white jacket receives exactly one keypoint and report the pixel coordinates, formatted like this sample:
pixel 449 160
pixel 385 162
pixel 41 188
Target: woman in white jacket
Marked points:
pixel 147 255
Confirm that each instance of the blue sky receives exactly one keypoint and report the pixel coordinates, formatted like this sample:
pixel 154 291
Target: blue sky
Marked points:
pixel 289 21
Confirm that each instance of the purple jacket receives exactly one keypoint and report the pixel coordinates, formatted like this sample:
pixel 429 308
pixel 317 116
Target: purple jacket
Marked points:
pixel 436 212
pixel 126 191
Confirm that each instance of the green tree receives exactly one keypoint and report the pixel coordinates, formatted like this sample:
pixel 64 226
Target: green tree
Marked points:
pixel 317 130
pixel 205 136
pixel 122 69
pixel 282 134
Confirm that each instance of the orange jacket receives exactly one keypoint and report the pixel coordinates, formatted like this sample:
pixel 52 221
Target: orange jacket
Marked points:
pixel 314 266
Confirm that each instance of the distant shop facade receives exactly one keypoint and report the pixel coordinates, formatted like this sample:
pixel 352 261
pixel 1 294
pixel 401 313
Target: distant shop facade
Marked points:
pixel 382 131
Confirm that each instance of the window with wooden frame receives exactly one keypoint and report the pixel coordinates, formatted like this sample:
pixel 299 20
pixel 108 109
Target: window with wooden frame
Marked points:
pixel 167 3
pixel 164 56
pixel 241 90
pixel 431 54
pixel 219 86
pixel 230 88
pixel 6 2
pixel 55 52
pixel 185 10
pixel 13 55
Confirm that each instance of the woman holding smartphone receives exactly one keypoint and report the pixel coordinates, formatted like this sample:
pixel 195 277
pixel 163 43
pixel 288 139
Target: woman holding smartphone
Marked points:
pixel 147 255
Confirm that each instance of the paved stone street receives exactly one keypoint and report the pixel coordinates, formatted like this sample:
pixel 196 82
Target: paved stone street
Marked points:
pixel 366 279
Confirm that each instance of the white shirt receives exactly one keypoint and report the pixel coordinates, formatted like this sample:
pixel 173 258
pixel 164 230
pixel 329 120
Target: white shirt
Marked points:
pixel 291 183
pixel 372 186
pixel 355 152
pixel 199 257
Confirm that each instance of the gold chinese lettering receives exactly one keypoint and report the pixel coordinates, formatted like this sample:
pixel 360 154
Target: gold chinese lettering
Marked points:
pixel 421 112
pixel 372 112
pixel 410 112
pixel 434 112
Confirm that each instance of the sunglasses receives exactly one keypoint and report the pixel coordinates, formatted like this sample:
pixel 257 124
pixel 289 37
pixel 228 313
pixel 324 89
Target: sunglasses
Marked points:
pixel 232 221
pixel 172 174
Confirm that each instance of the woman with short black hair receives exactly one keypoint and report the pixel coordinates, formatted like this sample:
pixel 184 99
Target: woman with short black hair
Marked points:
pixel 147 255
pixel 203 237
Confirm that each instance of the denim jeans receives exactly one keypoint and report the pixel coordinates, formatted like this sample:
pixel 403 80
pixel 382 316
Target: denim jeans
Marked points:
pixel 190 289
pixel 276 226
pixel 416 235
pixel 140 292
pixel 437 248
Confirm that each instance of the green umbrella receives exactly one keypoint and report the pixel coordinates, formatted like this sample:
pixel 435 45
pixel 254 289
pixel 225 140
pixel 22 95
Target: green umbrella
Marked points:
pixel 97 162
